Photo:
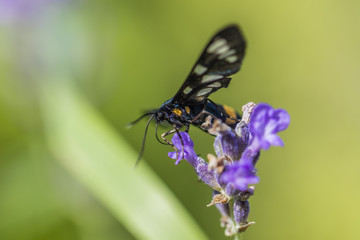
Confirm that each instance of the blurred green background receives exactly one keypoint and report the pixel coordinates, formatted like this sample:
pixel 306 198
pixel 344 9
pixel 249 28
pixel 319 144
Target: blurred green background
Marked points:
pixel 74 73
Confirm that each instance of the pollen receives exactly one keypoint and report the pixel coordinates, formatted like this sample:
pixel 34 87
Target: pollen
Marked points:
pixel 187 109
pixel 177 112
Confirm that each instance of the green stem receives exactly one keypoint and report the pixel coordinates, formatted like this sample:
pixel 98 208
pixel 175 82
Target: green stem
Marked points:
pixel 239 236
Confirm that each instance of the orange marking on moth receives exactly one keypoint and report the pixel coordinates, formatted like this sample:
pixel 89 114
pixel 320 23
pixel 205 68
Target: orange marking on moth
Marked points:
pixel 177 112
pixel 231 112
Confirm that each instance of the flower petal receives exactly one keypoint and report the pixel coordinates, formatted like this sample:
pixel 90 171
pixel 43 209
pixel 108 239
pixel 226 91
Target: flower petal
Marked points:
pixel 186 147
pixel 265 123
pixel 240 175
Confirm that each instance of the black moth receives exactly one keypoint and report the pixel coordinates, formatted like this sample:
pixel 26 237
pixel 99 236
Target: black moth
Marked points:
pixel 221 58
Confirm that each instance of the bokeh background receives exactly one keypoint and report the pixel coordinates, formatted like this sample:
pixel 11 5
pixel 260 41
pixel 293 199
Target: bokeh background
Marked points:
pixel 74 73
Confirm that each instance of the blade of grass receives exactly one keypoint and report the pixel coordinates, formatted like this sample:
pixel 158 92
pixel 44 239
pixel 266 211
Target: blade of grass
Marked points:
pixel 96 155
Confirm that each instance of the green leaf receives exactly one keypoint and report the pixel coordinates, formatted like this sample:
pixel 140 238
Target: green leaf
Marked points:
pixel 104 163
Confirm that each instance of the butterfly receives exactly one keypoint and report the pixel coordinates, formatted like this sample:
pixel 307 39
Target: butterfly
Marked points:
pixel 221 58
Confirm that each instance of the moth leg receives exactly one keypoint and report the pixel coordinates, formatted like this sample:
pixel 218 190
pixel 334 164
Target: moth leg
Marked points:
pixel 174 130
pixel 168 141
pixel 182 143
pixel 187 128
pixel 199 115
pixel 207 124
pixel 156 135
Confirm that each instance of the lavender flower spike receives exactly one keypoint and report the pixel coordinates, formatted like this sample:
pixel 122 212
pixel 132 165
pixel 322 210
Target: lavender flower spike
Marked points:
pixel 265 122
pixel 232 172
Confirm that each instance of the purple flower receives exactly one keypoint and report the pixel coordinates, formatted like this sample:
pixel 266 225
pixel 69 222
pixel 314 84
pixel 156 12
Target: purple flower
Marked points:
pixel 186 148
pixel 230 145
pixel 265 122
pixel 241 211
pixel 233 171
pixel 239 175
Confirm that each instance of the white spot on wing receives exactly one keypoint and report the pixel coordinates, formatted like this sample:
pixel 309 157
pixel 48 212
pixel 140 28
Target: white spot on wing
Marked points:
pixel 231 59
pixel 216 44
pixel 214 85
pixel 203 92
pixel 209 78
pixel 223 49
pixel 227 54
pixel 187 90
pixel 200 69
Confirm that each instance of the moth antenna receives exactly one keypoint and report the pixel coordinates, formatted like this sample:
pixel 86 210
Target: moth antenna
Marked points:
pixel 143 142
pixel 129 125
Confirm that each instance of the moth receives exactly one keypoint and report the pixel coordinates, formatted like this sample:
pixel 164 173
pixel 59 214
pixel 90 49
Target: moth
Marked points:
pixel 221 58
